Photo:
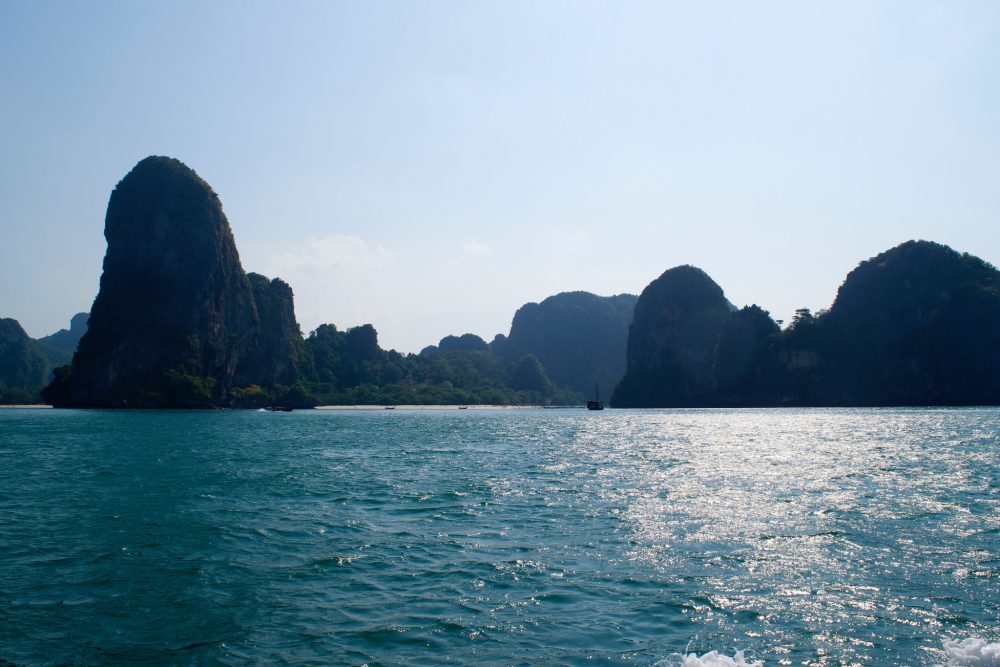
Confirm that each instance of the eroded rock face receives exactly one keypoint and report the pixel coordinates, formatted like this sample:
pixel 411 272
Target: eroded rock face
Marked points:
pixel 175 322
pixel 673 339
pixel 275 359
pixel 578 337
pixel 916 324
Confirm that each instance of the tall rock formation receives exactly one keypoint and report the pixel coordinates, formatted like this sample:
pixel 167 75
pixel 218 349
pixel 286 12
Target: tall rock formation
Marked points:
pixel 60 346
pixel 917 324
pixel 175 322
pixel 274 360
pixel 672 341
pixel 742 373
pixel 578 337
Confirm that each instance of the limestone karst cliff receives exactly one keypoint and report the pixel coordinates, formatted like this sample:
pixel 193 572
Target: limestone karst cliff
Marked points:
pixel 673 339
pixel 175 322
pixel 578 337
pixel 918 324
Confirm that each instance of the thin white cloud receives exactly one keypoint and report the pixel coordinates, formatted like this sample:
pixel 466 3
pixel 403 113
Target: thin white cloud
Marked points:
pixel 334 253
pixel 475 249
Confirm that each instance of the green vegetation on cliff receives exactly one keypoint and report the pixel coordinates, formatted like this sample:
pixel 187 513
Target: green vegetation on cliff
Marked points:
pixel 178 323
pixel 916 325
pixel 24 367
pixel 578 337
pixel 349 368
pixel 175 323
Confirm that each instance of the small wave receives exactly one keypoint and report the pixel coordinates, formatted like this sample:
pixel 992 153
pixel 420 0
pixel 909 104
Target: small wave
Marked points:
pixel 972 652
pixel 710 659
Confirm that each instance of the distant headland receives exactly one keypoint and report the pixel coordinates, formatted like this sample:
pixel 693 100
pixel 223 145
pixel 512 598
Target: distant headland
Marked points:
pixel 178 323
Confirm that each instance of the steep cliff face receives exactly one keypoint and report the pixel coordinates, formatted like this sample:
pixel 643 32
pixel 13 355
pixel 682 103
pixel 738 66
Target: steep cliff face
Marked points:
pixel 175 319
pixel 741 363
pixel 919 323
pixel 274 360
pixel 673 340
pixel 578 337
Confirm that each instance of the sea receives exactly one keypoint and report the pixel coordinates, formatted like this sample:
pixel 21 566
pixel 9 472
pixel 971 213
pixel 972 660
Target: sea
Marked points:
pixel 507 537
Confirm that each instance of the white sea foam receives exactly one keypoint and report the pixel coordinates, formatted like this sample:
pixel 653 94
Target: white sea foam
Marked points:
pixel 972 652
pixel 710 659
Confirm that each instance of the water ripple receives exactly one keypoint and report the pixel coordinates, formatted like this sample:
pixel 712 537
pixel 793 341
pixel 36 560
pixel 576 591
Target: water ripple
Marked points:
pixel 820 537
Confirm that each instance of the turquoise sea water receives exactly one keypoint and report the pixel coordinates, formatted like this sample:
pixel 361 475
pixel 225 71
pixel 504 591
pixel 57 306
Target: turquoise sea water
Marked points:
pixel 820 537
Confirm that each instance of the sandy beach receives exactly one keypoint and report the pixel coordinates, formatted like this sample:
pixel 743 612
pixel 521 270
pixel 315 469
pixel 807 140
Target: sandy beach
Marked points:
pixel 439 407
pixel 394 407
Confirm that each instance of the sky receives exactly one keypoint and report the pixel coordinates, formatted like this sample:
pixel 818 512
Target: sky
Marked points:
pixel 429 167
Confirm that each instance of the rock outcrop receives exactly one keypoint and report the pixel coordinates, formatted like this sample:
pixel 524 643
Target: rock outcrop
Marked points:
pixel 916 325
pixel 673 340
pixel 60 346
pixel 579 338
pixel 274 360
pixel 175 322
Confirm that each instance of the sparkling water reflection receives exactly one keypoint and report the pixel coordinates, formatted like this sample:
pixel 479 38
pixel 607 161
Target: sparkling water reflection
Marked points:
pixel 821 537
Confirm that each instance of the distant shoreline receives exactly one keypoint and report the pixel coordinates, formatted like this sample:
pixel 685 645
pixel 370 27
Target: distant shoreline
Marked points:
pixel 444 407
pixel 380 407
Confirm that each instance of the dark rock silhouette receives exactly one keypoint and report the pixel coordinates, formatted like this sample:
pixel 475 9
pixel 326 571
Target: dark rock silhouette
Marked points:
pixel 743 344
pixel 274 360
pixel 175 322
pixel 673 339
pixel 579 338
pixel 178 323
pixel 916 325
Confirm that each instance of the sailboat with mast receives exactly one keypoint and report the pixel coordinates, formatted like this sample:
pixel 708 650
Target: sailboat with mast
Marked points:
pixel 596 404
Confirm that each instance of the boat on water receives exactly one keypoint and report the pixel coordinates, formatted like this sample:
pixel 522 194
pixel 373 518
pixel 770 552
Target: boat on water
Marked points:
pixel 596 404
pixel 279 408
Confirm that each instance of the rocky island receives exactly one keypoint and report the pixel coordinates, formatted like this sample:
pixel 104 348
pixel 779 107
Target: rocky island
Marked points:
pixel 179 323
pixel 918 324
pixel 176 322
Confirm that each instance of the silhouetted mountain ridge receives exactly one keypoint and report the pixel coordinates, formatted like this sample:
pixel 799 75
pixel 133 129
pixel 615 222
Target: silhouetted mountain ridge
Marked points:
pixel 178 323
pixel 918 324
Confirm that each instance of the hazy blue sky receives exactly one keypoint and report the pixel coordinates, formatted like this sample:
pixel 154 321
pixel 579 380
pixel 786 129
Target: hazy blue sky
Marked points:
pixel 430 166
